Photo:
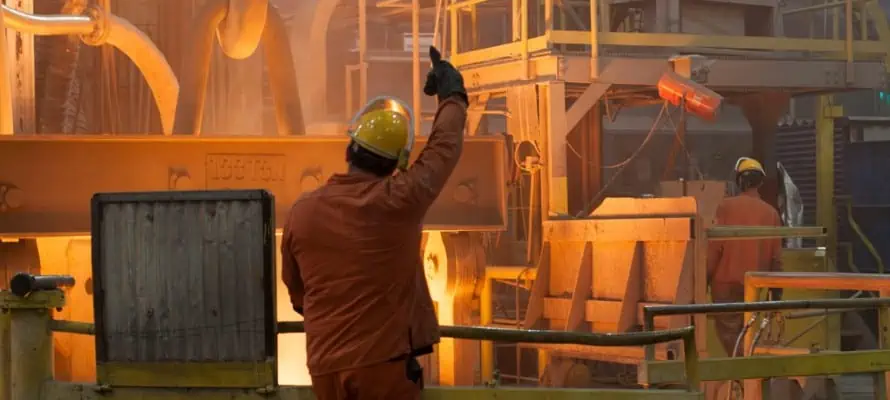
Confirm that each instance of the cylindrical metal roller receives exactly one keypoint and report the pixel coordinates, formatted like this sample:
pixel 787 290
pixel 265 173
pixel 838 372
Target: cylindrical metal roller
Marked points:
pixel 24 283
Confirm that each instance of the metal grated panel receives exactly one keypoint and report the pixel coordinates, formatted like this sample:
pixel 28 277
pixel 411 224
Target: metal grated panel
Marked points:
pixel 796 150
pixel 184 276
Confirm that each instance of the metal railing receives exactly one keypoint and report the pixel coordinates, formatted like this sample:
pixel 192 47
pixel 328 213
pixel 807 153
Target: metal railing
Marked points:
pixel 687 335
pixel 651 312
pixel 756 369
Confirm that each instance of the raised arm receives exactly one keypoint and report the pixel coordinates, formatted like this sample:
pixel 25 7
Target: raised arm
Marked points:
pixel 417 188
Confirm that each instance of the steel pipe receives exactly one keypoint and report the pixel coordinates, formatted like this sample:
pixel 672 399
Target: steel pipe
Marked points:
pixel 151 62
pixel 727 308
pixel 24 283
pixel 98 28
pixel 279 61
pixel 762 232
pixel 240 33
pixel 282 76
pixel 190 110
pixel 650 312
pixel 687 335
pixel 47 25
pixel 75 327
pixel 542 336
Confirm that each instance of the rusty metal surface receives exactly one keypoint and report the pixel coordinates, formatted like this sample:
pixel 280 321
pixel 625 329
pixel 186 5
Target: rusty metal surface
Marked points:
pixel 167 268
pixel 49 180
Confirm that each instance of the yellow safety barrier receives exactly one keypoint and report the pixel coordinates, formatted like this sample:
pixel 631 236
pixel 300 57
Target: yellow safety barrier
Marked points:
pixel 27 339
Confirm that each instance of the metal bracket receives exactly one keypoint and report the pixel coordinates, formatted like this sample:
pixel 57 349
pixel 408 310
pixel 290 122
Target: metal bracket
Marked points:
pixel 37 300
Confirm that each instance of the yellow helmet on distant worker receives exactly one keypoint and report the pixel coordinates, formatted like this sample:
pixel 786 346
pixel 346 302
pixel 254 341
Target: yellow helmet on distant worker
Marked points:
pixel 746 164
pixel 385 127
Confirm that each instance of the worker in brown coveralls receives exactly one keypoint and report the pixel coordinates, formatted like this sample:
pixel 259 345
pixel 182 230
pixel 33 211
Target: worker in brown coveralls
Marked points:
pixel 729 260
pixel 351 251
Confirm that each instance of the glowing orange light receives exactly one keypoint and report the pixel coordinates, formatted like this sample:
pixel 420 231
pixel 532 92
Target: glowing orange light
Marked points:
pixel 695 97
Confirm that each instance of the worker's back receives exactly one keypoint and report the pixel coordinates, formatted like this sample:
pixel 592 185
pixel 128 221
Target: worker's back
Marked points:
pixel 360 263
pixel 736 257
pixel 355 243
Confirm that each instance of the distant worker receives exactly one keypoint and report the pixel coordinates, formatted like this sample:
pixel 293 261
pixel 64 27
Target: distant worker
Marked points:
pixel 351 249
pixel 729 260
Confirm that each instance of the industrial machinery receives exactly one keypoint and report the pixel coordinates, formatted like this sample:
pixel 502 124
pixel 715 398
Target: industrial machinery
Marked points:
pixel 564 255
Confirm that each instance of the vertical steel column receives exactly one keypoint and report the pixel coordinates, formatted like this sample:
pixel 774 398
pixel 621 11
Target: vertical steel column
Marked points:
pixel 415 66
pixel 752 386
pixel 486 353
pixel 453 15
pixel 848 39
pixel 6 115
pixel 282 76
pixel 594 40
pixel 31 349
pixel 474 27
pixel 362 52
pixel 548 17
pixel 555 187
pixel 826 112
pixel 517 20
pixel 882 390
pixel 5 359
pixel 31 342
pixel 523 36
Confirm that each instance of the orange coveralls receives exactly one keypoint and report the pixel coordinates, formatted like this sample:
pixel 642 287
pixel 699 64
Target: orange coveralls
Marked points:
pixel 352 262
pixel 729 260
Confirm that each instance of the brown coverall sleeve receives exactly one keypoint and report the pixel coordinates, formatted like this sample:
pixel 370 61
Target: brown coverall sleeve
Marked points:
pixel 715 247
pixel 415 189
pixel 290 272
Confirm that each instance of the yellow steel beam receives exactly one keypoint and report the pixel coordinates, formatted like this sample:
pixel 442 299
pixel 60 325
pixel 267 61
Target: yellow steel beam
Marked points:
pixel 510 273
pixel 200 374
pixel 724 369
pixel 618 230
pixel 826 213
pixel 508 50
pixel 816 281
pixel 720 42
pixel 832 49
pixel 70 391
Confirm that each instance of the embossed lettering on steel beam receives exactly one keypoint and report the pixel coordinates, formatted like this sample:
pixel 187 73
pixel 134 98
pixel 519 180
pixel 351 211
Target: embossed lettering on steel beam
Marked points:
pixel 50 180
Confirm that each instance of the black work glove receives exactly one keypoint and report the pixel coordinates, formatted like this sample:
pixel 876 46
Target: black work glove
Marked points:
pixel 444 80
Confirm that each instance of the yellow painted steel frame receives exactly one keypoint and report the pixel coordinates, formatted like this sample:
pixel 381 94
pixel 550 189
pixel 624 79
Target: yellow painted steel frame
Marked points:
pixel 486 313
pixel 522 46
pixel 826 210
pixel 69 391
pixel 756 282
pixel 30 365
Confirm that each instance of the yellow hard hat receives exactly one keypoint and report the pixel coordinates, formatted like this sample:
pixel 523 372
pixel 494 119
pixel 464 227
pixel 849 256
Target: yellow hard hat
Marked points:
pixel 385 127
pixel 745 164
